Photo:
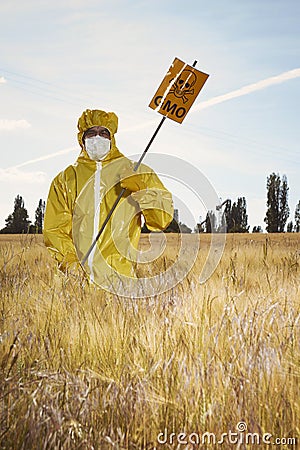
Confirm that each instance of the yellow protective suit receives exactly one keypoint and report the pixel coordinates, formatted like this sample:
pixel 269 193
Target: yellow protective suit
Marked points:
pixel 81 197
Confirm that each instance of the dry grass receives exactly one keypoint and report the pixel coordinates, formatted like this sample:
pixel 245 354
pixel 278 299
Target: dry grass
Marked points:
pixel 82 369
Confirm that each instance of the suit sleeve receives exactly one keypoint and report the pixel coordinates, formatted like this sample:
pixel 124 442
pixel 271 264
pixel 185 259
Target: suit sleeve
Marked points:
pixel 155 202
pixel 58 223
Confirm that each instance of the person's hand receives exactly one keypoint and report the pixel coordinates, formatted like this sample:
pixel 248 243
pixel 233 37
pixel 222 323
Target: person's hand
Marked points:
pixel 76 273
pixel 132 181
pixel 72 270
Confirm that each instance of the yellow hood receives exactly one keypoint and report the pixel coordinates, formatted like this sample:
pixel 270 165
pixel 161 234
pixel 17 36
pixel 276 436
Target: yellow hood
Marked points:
pixel 95 117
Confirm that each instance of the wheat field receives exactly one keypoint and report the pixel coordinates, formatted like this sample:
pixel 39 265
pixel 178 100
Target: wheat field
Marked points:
pixel 84 369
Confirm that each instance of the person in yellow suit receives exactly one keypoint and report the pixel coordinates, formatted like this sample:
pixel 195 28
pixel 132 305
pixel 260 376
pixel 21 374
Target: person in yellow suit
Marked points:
pixel 82 195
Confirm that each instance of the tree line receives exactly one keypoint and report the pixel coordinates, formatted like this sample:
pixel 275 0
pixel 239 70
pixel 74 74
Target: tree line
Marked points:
pixel 233 219
pixel 18 221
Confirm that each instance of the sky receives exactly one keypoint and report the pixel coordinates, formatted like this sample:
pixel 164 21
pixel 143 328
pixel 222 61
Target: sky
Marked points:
pixel 59 58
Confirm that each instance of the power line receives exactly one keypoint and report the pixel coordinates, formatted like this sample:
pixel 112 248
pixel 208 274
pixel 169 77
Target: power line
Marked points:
pixel 46 89
pixel 270 149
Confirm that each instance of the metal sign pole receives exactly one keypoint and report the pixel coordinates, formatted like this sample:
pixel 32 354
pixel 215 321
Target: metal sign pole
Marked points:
pixel 137 165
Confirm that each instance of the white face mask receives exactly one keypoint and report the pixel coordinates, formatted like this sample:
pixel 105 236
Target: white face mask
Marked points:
pixel 97 147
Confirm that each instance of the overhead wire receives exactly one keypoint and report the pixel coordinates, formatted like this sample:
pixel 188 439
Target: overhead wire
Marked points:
pixel 61 93
pixel 47 89
pixel 269 149
pixel 50 90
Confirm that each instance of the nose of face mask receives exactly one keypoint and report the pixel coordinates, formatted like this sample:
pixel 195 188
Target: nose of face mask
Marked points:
pixel 97 147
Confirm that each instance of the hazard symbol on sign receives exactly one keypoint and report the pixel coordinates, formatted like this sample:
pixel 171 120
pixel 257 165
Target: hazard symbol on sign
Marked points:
pixel 178 90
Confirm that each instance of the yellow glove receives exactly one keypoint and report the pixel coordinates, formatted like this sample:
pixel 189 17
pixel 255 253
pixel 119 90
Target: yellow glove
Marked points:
pixel 132 181
pixel 75 272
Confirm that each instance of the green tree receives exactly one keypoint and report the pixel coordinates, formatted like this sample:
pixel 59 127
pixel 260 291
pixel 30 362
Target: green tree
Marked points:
pixel 39 216
pixel 239 216
pixel 236 216
pixel 199 228
pixel 8 224
pixel 210 223
pixel 17 222
pixel 297 218
pixel 184 228
pixel 173 227
pixel 228 216
pixel 277 203
pixel 284 210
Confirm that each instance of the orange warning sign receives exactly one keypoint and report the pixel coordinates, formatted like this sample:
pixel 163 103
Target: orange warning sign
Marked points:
pixel 178 90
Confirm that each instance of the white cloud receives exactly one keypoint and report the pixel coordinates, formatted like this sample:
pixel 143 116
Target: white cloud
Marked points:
pixel 10 125
pixel 295 73
pixel 14 175
pixel 43 158
pixel 2 80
